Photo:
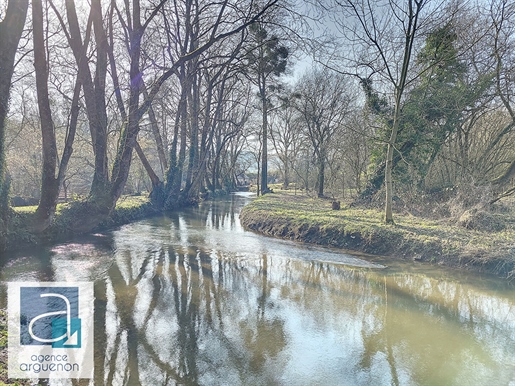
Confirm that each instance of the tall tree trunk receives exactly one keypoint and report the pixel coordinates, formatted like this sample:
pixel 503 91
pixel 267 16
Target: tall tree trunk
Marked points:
pixel 94 92
pixel 101 176
pixel 171 174
pixel 208 129
pixel 11 28
pixel 286 181
pixel 216 162
pixel 157 135
pixel 321 176
pixel 388 213
pixel 410 30
pixel 193 151
pixel 264 134
pixel 174 183
pixel 49 181
pixel 130 130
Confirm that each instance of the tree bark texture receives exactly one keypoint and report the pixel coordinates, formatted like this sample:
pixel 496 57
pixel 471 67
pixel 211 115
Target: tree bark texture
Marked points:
pixel 49 181
pixel 11 28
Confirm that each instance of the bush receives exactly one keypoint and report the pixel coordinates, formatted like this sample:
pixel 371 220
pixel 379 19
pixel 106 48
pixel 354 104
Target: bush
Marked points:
pixel 481 220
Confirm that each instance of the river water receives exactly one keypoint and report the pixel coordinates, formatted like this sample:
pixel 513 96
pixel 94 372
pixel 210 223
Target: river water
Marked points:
pixel 191 298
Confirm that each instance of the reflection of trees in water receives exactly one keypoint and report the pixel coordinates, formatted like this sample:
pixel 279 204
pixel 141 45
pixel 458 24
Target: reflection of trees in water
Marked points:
pixel 264 337
pixel 432 324
pixel 188 315
pixel 171 310
pixel 182 294
pixel 221 214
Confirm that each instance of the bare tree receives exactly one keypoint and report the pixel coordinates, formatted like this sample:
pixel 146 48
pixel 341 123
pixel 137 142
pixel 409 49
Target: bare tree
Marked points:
pixel 204 26
pixel 324 102
pixel 267 60
pixel 286 132
pixel 503 15
pixel 51 178
pixel 384 35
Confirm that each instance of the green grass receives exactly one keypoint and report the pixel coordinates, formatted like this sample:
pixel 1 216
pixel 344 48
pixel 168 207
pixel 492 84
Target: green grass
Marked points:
pixel 25 209
pixel 31 209
pixel 67 216
pixel 310 219
pixel 123 203
pixel 127 202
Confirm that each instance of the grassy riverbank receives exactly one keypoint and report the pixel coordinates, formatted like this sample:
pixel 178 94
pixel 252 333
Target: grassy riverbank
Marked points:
pixel 311 220
pixel 128 209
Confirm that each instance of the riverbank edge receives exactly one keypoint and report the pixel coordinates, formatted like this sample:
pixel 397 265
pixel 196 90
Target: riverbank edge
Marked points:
pixel 21 237
pixel 128 209
pixel 266 217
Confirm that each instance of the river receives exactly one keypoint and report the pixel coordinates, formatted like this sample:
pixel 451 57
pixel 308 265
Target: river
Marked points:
pixel 191 298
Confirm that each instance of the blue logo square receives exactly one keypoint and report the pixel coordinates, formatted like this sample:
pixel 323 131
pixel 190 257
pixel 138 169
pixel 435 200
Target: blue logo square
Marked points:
pixel 50 316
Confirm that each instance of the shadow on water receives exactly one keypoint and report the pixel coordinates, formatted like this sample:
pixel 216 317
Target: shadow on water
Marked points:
pixel 191 298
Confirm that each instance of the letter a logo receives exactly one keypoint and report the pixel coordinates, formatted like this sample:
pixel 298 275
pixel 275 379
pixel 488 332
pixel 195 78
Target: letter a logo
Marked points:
pixel 49 316
pixel 51 327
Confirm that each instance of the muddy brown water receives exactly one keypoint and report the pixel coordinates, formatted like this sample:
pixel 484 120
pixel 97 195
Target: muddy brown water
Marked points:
pixel 191 298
